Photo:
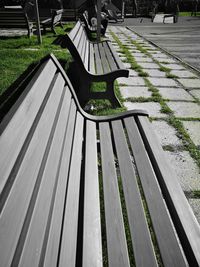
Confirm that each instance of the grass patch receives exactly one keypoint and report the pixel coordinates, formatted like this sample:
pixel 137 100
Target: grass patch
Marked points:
pixel 17 53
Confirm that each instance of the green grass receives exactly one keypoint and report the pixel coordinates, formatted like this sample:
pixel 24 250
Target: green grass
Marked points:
pixel 18 53
pixel 187 14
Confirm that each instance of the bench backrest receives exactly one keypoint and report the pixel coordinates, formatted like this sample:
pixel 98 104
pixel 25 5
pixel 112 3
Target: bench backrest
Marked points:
pixel 13 18
pixel 54 175
pixel 79 46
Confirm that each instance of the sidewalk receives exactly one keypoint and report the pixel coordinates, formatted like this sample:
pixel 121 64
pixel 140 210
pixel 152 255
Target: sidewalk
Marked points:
pixel 173 104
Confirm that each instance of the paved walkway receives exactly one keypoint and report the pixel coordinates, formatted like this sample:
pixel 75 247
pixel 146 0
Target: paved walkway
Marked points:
pixel 181 39
pixel 181 94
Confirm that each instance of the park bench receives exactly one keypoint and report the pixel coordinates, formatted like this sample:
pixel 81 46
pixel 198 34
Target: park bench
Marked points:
pixel 88 25
pixel 53 21
pixel 15 18
pixel 71 183
pixel 93 62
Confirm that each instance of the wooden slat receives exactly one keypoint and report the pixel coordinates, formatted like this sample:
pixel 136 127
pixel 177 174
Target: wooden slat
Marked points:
pixel 115 233
pixel 78 38
pixel 183 216
pixel 168 244
pixel 74 31
pixel 92 250
pixel 87 55
pixel 104 61
pixel 17 203
pixel 35 243
pixel 13 137
pixel 98 63
pixel 52 246
pixel 141 240
pixel 109 55
pixel 70 226
pixel 91 59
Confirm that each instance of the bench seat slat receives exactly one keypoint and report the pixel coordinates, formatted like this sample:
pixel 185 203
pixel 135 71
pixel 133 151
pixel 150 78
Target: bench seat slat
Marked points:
pixel 35 243
pixel 105 63
pixel 13 137
pixel 52 246
pixel 167 241
pixel 17 202
pixel 112 63
pixel 92 248
pixel 91 59
pixel 116 239
pixel 141 240
pixel 99 68
pixel 70 226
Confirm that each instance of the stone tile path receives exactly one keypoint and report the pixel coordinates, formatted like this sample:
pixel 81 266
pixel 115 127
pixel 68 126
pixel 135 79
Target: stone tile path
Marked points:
pixel 180 93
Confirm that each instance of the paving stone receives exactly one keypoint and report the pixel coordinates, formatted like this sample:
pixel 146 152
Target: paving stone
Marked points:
pixel 134 91
pixel 195 93
pixel 195 205
pixel 186 169
pixel 174 66
pixel 143 59
pixel 166 133
pixel 168 60
pixel 175 94
pixel 193 128
pixel 151 107
pixel 131 81
pixel 137 54
pixel 123 58
pixel 155 73
pixel 184 109
pixel 149 65
pixel 127 65
pixel 183 73
pixel 163 82
pixel 133 73
pixel 158 55
pixel 190 83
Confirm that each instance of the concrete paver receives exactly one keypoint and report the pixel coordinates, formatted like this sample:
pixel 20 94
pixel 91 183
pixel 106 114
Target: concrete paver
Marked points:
pixel 155 73
pixel 185 110
pixel 133 91
pixel 151 107
pixel 195 204
pixel 175 94
pixel 163 82
pixel 195 93
pixel 183 73
pixel 149 65
pixel 166 133
pixel 173 66
pixel 131 81
pixel 193 128
pixel 190 83
pixel 186 169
